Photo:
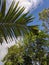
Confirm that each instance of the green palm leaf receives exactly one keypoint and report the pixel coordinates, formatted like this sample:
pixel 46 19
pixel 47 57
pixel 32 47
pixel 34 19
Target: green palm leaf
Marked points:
pixel 14 21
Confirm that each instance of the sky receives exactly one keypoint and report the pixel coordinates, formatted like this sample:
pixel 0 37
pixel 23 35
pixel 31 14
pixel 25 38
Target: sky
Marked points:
pixel 40 7
pixel 35 6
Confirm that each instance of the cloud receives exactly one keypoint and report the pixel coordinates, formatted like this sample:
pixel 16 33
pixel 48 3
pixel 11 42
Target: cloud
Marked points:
pixel 3 52
pixel 28 4
pixel 1 63
pixel 4 47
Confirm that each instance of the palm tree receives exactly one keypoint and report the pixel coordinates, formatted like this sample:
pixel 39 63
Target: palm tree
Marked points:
pixel 14 22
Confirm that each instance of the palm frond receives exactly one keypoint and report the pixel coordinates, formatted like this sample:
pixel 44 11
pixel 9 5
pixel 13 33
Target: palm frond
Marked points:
pixel 14 21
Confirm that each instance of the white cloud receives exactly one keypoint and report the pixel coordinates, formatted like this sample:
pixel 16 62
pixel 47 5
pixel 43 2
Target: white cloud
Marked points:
pixel 28 4
pixel 1 63
pixel 3 52
pixel 4 47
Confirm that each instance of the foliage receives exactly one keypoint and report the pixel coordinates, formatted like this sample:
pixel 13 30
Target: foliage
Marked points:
pixel 14 22
pixel 33 49
pixel 44 16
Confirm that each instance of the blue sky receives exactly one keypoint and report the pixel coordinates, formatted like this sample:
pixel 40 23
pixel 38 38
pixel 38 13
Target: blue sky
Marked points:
pixel 35 12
